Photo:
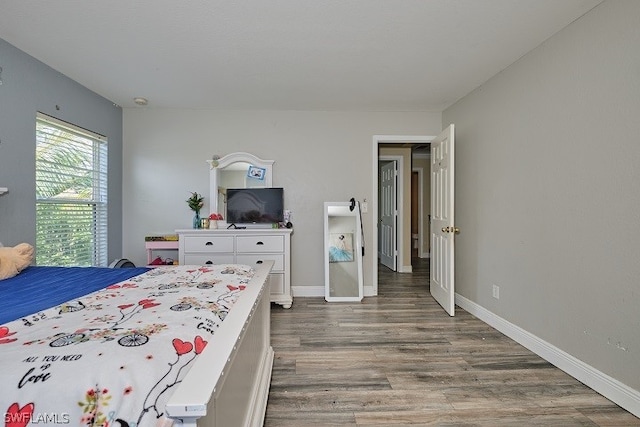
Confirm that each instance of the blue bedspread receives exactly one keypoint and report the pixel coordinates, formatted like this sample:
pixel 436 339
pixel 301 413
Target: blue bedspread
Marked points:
pixel 38 288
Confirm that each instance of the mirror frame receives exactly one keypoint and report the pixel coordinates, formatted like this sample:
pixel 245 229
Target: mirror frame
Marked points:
pixel 356 214
pixel 216 165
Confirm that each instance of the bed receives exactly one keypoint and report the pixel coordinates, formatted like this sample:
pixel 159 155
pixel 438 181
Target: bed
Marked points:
pixel 176 345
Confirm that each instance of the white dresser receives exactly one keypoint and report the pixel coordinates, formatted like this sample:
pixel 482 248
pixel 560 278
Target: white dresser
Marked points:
pixel 249 246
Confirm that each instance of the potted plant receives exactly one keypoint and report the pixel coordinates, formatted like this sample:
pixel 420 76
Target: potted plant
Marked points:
pixel 195 203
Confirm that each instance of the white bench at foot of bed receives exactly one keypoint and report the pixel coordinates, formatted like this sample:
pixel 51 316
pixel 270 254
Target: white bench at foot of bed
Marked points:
pixel 228 384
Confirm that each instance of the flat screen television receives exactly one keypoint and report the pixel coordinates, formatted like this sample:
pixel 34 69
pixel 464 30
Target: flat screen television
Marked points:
pixel 255 205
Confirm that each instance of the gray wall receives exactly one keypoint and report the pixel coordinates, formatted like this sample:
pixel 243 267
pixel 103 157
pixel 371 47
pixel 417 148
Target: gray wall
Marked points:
pixel 548 199
pixel 319 157
pixel 29 86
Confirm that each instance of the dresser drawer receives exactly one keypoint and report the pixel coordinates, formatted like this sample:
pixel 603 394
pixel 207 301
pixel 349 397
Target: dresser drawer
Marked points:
pixel 207 259
pixel 254 260
pixel 208 244
pixel 253 244
pixel 249 247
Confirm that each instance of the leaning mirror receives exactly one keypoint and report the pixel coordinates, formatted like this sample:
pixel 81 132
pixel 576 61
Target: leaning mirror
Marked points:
pixel 342 252
pixel 236 170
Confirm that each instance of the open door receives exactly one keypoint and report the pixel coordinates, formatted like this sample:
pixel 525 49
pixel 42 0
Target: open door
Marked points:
pixel 443 229
pixel 388 215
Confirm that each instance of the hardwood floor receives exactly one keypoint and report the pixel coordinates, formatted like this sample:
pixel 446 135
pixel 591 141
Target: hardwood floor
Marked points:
pixel 398 359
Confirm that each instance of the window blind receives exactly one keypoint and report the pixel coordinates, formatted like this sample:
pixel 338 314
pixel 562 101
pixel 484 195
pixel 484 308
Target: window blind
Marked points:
pixel 71 194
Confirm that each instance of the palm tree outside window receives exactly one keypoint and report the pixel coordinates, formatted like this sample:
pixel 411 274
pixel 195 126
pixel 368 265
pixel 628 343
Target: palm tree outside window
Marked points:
pixel 71 194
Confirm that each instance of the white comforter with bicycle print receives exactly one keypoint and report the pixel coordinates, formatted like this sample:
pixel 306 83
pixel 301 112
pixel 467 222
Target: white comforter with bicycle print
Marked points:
pixel 114 356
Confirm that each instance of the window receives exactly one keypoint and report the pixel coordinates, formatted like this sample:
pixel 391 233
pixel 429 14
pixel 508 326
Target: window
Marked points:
pixel 71 195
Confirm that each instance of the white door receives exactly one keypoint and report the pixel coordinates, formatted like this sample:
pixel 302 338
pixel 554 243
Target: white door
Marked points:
pixel 388 213
pixel 443 229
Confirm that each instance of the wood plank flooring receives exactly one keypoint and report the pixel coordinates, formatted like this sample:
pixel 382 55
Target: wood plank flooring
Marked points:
pixel 398 359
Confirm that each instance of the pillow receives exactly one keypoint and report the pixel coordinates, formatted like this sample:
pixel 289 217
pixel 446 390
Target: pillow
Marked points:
pixel 15 259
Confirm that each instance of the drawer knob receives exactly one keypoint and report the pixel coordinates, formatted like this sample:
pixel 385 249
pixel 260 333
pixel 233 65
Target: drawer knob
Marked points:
pixel 259 261
pixel 208 244
pixel 209 262
pixel 259 243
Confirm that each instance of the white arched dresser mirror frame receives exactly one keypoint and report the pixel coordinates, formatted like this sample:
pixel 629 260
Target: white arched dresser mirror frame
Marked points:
pixel 218 165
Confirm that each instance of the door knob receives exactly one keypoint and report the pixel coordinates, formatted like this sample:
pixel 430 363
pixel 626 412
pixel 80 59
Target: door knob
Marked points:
pixel 450 229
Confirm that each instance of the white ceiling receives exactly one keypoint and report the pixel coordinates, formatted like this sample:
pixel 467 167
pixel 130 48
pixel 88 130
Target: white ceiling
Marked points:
pixel 373 55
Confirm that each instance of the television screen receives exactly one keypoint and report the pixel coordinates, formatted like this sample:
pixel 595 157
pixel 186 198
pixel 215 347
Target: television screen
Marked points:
pixel 255 205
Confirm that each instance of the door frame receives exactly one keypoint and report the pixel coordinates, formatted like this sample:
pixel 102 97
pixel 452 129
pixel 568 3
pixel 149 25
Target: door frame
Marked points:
pixel 377 140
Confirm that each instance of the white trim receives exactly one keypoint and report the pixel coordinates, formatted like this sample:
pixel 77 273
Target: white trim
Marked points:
pixel 405 269
pixel 240 156
pixel 368 291
pixel 3 190
pixel 609 387
pixel 307 291
pixel 380 139
pixel 318 291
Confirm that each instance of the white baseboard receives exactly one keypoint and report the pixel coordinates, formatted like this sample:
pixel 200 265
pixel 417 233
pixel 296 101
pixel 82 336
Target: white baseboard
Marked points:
pixel 609 387
pixel 318 291
pixel 405 269
pixel 307 291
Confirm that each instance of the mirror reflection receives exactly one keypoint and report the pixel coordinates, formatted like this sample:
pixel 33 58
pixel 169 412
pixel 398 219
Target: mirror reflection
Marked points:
pixel 236 170
pixel 343 257
pixel 236 175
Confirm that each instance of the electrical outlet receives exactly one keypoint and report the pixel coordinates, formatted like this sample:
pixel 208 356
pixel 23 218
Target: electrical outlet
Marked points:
pixel 496 291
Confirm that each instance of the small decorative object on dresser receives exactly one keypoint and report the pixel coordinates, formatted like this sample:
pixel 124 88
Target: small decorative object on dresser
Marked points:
pixel 250 246
pixel 213 220
pixel 195 203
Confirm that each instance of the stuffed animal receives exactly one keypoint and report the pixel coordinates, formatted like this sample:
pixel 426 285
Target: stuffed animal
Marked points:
pixel 15 259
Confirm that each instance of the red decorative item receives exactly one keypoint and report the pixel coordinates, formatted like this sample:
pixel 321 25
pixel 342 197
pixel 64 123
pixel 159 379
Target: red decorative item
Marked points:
pixel 157 261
